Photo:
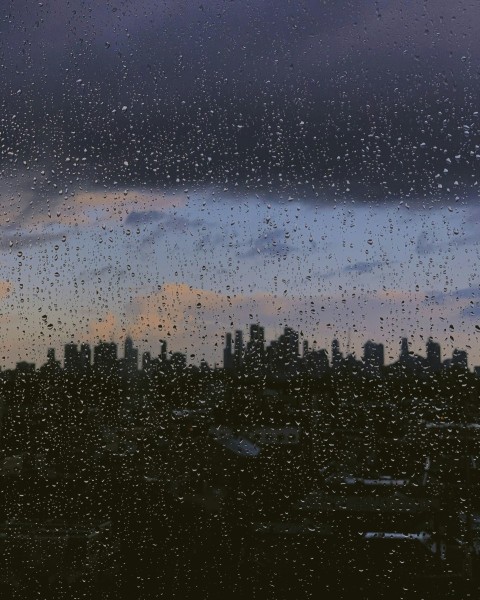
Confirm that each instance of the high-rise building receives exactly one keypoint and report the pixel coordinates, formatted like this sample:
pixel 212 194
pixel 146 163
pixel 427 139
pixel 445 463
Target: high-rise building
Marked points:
pixel 25 367
pixel 291 342
pixel 71 358
pixel 288 356
pixel 434 355
pixel 317 363
pixel 52 366
pixel 131 357
pixel 404 351
pixel 255 350
pixel 337 356
pixel 238 349
pixel 163 351
pixel 105 356
pixel 228 357
pixel 257 333
pixel 85 357
pixel 146 361
pixel 459 359
pixel 178 361
pixel 373 355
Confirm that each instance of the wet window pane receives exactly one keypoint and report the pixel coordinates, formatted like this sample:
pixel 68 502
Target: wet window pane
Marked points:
pixel 239 303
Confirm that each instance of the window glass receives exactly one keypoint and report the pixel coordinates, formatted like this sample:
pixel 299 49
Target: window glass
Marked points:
pixel 239 303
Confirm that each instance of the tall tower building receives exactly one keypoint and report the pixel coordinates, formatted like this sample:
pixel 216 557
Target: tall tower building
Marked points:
pixel 306 348
pixel 404 351
pixel 257 333
pixel 131 356
pixel 146 361
pixel 85 357
pixel 373 355
pixel 163 351
pixel 460 359
pixel 105 356
pixel 228 363
pixel 337 356
pixel 71 358
pixel 238 349
pixel 434 355
pixel 255 351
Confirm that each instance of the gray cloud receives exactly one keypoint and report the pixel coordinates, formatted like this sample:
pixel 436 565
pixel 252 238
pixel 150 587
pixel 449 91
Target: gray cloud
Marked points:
pixel 362 267
pixel 144 218
pixel 267 96
pixel 430 245
pixel 470 293
pixel 471 312
pixel 271 243
pixel 20 240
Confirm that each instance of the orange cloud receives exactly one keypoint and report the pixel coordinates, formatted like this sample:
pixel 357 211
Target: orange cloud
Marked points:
pixel 89 207
pixel 105 328
pixel 5 288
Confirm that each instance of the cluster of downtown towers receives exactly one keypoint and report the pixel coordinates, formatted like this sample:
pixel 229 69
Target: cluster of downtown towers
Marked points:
pixel 281 357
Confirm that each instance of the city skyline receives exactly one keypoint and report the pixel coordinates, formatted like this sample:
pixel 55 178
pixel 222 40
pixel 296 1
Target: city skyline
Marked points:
pixel 240 299
pixel 333 172
pixel 187 265
pixel 235 354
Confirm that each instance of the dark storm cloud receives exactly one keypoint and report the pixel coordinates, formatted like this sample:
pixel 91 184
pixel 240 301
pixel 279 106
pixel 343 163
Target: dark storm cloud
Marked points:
pixel 13 240
pixel 271 243
pixel 143 218
pixel 471 312
pixel 428 245
pixel 469 293
pixel 362 267
pixel 168 222
pixel 101 273
pixel 363 98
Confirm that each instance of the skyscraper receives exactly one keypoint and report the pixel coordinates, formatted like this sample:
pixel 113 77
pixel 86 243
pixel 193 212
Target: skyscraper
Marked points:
pixel 163 351
pixel 434 355
pixel 337 356
pixel 146 361
pixel 305 347
pixel 459 359
pixel 291 343
pixel 228 358
pixel 105 356
pixel 255 351
pixel 257 334
pixel 85 357
pixel 404 351
pixel 52 366
pixel 373 355
pixel 71 362
pixel 131 356
pixel 238 349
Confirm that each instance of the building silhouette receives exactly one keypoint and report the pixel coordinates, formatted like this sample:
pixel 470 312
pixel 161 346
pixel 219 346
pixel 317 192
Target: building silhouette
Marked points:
pixel 105 356
pixel 373 356
pixel 404 351
pixel 85 357
pixel 228 356
pixel 238 349
pixel 71 358
pixel 434 356
pixel 130 357
pixel 255 350
pixel 460 359
pixel 337 356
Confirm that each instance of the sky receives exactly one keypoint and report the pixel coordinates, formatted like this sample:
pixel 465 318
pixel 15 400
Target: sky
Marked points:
pixel 177 170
